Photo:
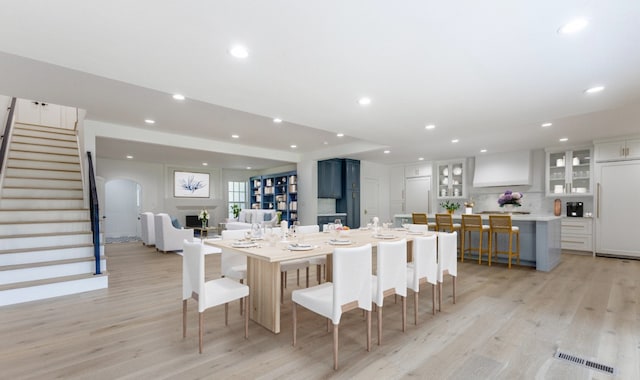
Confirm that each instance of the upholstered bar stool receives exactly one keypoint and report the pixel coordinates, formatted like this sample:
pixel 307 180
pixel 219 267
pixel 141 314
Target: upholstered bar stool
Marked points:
pixel 444 222
pixel 501 224
pixel 421 218
pixel 473 223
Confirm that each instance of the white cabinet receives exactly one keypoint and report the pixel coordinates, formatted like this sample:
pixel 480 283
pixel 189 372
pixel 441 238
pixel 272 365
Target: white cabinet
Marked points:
pixel 451 179
pixel 628 149
pixel 569 172
pixel 396 190
pixel 45 114
pixel 577 234
pixel 417 171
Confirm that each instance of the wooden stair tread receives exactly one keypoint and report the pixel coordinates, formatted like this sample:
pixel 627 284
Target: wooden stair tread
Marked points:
pixel 47 169
pixel 43 128
pixel 47 222
pixel 46 210
pixel 51 248
pixel 41 188
pixel 46 235
pixel 50 263
pixel 14 149
pixel 28 284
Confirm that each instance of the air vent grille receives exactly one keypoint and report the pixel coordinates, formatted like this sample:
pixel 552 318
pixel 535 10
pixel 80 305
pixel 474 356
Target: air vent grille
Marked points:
pixel 585 363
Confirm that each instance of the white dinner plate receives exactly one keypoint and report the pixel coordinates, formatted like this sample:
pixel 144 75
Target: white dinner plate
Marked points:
pixel 339 242
pixel 384 236
pixel 244 244
pixel 304 247
pixel 416 233
pixel 457 171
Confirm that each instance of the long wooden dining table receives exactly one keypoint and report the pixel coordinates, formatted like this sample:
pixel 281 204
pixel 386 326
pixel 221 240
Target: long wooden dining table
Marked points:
pixel 264 258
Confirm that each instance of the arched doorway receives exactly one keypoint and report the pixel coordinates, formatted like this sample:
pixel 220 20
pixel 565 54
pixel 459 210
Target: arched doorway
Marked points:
pixel 121 210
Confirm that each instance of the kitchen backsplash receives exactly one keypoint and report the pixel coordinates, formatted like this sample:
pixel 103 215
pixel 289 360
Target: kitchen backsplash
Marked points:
pixel 534 202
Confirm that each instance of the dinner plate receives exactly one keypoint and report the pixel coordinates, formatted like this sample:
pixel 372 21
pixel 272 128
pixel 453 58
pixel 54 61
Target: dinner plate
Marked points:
pixel 416 233
pixel 384 236
pixel 304 247
pixel 457 171
pixel 244 244
pixel 339 242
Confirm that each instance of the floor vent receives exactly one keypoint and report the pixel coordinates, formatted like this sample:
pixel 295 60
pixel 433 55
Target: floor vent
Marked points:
pixel 585 363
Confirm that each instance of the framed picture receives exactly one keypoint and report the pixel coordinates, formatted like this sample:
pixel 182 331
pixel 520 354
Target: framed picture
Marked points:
pixel 190 185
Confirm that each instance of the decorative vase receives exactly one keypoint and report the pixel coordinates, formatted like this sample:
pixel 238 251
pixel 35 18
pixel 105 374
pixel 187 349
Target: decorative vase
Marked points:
pixel 451 211
pixel 204 223
pixel 508 208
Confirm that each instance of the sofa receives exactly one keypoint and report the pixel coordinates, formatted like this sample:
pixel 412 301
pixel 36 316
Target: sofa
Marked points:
pixel 249 216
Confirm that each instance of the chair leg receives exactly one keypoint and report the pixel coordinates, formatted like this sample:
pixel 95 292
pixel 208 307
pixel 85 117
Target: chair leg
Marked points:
pixel 283 283
pixel 295 323
pixel 518 246
pixel 404 314
pixel 298 274
pixel 462 239
pixel 240 300
pixel 454 289
pixel 440 296
pixel 369 330
pixel 510 250
pixel 335 347
pixel 200 328
pixel 415 308
pixel 379 325
pixel 319 274
pixel 246 319
pixel 184 318
pixel 226 314
pixel 307 277
pixel 433 295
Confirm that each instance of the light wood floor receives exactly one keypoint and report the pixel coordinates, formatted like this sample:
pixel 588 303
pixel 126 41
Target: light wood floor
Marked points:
pixel 506 324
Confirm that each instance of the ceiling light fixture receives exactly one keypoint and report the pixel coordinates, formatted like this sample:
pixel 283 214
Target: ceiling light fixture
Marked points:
pixel 239 51
pixel 483 151
pixel 386 152
pixel 205 164
pixel 235 136
pixel 420 158
pixel 340 135
pixel 364 101
pixel 545 125
pixel 178 96
pixel 593 90
pixel 573 26
pixel 129 157
pixel 564 139
pixel 248 167
pixel 293 146
pixel 149 121
pixel 277 120
pixel 455 141
pixel 430 126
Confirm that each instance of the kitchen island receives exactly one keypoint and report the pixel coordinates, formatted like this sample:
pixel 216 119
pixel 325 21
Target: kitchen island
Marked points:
pixel 539 238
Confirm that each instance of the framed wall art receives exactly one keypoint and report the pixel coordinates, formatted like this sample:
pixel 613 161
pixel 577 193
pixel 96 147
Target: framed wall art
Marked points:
pixel 190 185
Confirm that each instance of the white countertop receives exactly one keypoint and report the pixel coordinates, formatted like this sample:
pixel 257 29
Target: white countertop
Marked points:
pixel 334 214
pixel 526 217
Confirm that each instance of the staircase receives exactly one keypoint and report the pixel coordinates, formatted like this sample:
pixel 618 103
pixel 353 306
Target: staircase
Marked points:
pixel 46 245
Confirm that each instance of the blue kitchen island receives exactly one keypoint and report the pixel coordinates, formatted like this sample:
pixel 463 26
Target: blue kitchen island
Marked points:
pixel 539 239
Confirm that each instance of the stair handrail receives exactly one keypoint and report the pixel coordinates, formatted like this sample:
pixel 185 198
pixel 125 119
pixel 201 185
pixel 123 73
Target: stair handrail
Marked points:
pixel 6 133
pixel 94 212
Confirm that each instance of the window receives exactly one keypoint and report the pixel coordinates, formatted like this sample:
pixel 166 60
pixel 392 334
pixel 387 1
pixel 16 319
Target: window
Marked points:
pixel 237 195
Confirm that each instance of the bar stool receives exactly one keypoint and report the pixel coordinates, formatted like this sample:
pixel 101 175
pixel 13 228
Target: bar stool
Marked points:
pixel 444 222
pixel 501 224
pixel 421 218
pixel 473 223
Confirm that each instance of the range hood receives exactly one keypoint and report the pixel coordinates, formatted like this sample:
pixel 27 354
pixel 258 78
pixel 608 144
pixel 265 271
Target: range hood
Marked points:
pixel 503 169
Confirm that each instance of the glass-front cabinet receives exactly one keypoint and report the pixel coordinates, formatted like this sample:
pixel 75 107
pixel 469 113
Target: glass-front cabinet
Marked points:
pixel 451 179
pixel 569 172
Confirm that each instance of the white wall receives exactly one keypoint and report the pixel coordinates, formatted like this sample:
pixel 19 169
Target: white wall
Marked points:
pixel 308 192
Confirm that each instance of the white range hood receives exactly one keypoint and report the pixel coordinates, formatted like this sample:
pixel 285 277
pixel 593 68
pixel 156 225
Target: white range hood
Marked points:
pixel 503 169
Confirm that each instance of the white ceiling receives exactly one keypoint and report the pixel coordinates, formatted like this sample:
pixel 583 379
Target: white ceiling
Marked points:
pixel 485 72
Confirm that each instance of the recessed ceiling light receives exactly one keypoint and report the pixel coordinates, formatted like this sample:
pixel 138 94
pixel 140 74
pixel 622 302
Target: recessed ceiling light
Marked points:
pixel 235 136
pixel 277 120
pixel 573 26
pixel 340 135
pixel 386 152
pixel 483 151
pixel 420 158
pixel 248 167
pixel 455 141
pixel 205 164
pixel 239 51
pixel 326 143
pixel 595 89
pixel 129 157
pixel 564 139
pixel 149 121
pixel 364 101
pixel 547 125
pixel 430 126
pixel 178 96
pixel 293 146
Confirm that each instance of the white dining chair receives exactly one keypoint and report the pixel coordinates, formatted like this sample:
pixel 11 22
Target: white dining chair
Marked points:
pixel 423 269
pixel 350 289
pixel 447 262
pixel 390 278
pixel 208 294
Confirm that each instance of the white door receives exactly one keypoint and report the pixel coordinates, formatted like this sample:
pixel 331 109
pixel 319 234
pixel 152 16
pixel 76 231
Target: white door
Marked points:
pixel 371 194
pixel 121 209
pixel 616 209
pixel 417 194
